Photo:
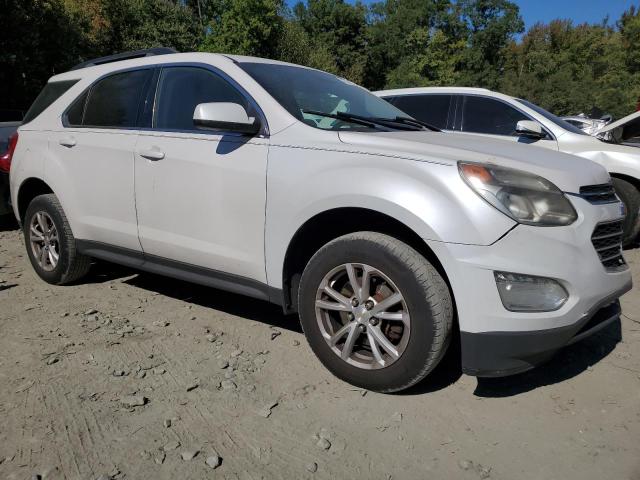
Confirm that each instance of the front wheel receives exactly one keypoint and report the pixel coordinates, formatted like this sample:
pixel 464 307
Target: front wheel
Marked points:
pixel 630 196
pixel 376 313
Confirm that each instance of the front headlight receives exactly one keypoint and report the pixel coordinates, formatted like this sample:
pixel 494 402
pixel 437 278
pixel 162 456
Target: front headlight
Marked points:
pixel 523 196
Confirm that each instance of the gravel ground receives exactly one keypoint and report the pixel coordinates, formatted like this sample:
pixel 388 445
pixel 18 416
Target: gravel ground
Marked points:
pixel 137 376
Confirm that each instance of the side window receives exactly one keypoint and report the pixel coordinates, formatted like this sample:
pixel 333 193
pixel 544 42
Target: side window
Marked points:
pixel 181 89
pixel 433 109
pixel 114 101
pixel 49 94
pixel 76 111
pixel 486 115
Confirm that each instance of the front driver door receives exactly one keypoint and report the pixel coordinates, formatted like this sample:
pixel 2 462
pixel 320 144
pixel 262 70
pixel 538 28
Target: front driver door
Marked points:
pixel 200 195
pixel 492 117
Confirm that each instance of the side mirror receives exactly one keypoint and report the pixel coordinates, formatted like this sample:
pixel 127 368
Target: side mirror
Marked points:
pixel 530 129
pixel 226 116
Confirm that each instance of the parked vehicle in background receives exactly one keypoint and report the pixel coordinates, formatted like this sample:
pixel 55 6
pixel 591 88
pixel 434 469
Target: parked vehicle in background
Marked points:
pixel 478 111
pixel 9 115
pixel 586 124
pixel 625 131
pixel 369 224
pixel 7 135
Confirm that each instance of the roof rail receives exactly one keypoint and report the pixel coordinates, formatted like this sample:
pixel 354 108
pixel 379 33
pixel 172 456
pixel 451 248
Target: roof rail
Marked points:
pixel 149 52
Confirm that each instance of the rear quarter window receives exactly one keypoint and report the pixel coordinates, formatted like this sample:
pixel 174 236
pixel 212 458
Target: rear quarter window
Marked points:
pixel 49 94
pixel 75 114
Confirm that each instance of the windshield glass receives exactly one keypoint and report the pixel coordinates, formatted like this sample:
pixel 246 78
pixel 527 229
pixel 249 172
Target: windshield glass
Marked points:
pixel 550 116
pixel 300 89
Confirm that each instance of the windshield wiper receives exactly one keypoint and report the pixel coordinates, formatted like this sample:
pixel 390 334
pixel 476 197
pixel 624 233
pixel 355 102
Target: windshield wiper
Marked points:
pixel 395 122
pixel 345 117
pixel 413 121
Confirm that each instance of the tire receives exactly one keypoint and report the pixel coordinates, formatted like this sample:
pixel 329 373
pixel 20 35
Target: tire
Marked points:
pixel 71 265
pixel 425 298
pixel 630 196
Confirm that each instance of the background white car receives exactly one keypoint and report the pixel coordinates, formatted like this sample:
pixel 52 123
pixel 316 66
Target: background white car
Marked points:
pixel 483 112
pixel 625 131
pixel 586 124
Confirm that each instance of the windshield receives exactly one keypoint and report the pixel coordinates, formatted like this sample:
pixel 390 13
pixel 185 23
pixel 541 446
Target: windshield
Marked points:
pixel 302 90
pixel 550 116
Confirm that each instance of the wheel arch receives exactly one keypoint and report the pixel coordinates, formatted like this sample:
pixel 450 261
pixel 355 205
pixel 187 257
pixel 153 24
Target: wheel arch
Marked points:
pixel 330 224
pixel 627 178
pixel 30 189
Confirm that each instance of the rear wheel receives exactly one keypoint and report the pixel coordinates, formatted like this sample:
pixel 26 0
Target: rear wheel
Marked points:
pixel 375 311
pixel 50 243
pixel 630 196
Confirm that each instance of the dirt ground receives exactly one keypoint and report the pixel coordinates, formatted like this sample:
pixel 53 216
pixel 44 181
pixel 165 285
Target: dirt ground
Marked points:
pixel 129 375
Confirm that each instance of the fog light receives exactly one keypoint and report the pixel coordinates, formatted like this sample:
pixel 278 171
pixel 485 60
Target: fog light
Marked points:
pixel 527 293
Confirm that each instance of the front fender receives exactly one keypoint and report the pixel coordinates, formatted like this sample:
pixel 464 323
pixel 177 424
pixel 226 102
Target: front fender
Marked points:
pixel 621 160
pixel 430 199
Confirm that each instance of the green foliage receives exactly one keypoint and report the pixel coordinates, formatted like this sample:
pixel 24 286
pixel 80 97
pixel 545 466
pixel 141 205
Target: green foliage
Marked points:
pixel 339 28
pixel 563 67
pixel 137 24
pixel 570 69
pixel 431 59
pixel 400 35
pixel 296 46
pixel 245 27
pixel 490 25
pixel 38 39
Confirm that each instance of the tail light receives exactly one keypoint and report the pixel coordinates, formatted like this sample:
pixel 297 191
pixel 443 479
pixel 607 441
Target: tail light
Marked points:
pixel 5 160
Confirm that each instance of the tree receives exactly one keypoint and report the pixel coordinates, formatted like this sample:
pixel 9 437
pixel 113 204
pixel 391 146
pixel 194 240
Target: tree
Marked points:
pixel 571 69
pixel 39 39
pixel 296 46
pixel 340 27
pixel 629 26
pixel 491 24
pixel 433 61
pixel 137 24
pixel 246 27
pixel 400 35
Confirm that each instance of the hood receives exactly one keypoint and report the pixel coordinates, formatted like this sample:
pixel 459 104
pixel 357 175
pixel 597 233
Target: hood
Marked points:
pixel 567 172
pixel 621 130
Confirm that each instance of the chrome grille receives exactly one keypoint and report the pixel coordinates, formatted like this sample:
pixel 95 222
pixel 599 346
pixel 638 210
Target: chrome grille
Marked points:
pixel 607 240
pixel 596 194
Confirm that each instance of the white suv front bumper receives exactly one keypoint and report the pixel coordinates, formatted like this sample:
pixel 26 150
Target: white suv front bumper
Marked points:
pixel 498 342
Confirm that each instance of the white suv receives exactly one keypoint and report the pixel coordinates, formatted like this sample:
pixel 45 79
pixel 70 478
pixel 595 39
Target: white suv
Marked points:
pixel 295 186
pixel 478 111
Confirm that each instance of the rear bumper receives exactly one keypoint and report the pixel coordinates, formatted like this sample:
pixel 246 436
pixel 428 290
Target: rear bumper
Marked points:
pixel 498 354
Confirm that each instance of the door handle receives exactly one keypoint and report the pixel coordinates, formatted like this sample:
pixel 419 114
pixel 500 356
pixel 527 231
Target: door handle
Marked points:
pixel 67 142
pixel 152 154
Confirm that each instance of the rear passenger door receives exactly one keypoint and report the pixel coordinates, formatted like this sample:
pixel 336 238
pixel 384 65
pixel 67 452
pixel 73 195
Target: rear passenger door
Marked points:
pixel 435 109
pixel 201 194
pixel 94 152
pixel 493 117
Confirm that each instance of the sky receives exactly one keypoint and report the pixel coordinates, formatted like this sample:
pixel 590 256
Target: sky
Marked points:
pixel 580 11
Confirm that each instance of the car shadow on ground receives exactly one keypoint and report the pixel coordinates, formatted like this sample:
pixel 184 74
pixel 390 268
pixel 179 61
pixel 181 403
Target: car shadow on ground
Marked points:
pixel 207 297
pixel 568 363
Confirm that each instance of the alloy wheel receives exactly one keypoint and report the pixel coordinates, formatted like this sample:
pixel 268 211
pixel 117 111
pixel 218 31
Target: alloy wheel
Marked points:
pixel 45 244
pixel 362 316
